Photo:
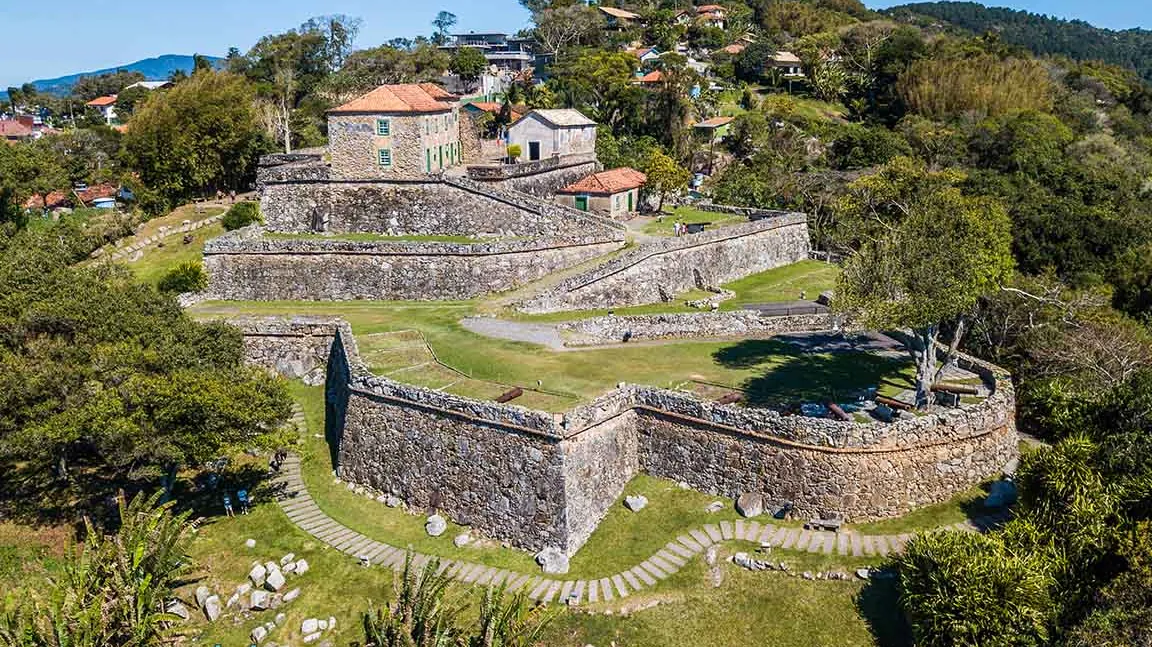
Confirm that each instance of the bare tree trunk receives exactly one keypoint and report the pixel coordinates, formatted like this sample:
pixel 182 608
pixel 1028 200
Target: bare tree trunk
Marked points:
pixel 924 354
pixel 287 126
pixel 953 347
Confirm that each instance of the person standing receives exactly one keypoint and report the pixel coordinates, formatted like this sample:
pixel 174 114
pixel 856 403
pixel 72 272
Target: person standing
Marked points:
pixel 242 498
pixel 228 506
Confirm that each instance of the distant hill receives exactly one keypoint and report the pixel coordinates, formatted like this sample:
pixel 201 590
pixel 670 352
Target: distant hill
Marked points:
pixel 153 69
pixel 1076 39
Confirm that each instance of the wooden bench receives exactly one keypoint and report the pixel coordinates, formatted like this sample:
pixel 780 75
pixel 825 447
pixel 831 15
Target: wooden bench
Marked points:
pixel 509 396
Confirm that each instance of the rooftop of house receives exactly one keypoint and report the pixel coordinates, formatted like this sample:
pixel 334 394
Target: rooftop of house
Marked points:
pixel 100 102
pixel 641 52
pixel 608 182
pixel 709 8
pixel 149 85
pixel 12 129
pixel 561 117
pixel 403 98
pixel 655 76
pixel 619 13
pixel 58 199
pixel 714 122
pixel 734 48
pixel 786 57
pixel 495 108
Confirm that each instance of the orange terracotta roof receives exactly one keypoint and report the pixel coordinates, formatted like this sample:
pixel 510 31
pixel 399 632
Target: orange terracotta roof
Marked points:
pixel 652 77
pixel 14 129
pixel 407 97
pixel 709 8
pixel 100 102
pixel 64 198
pixel 714 122
pixel 608 182
pixel 734 48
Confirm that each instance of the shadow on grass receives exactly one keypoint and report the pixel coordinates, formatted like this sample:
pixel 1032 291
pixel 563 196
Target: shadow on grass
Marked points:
pixel 792 376
pixel 878 603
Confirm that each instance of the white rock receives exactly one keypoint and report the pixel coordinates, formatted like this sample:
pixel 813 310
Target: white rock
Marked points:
pixel 290 557
pixel 331 622
pixel 202 593
pixel 635 503
pixel 393 502
pixel 177 608
pixel 714 507
pixel 311 638
pixel 212 607
pixel 271 566
pixel 290 567
pixel 258 600
pixel 863 573
pixel 292 595
pixel 323 625
pixel 684 485
pixel 259 634
pixel 275 581
pixel 461 540
pixel 244 588
pixel 251 543
pixel 233 600
pixel 280 619
pixel 436 525
pixel 301 567
pixel 711 554
pixel 270 626
pixel 257 575
pixel 553 561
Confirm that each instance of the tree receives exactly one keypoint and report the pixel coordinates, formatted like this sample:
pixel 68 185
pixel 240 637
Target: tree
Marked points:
pixel 559 28
pixel 90 87
pixel 127 101
pixel 469 64
pixel 200 136
pixel 443 22
pixel 188 276
pixel 665 176
pixel 922 255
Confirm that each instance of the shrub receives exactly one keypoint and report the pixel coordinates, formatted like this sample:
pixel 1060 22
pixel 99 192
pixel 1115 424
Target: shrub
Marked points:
pixel 185 277
pixel 240 215
pixel 514 151
pixel 859 146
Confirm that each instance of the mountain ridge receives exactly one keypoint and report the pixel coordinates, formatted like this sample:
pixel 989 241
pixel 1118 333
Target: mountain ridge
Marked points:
pixel 157 68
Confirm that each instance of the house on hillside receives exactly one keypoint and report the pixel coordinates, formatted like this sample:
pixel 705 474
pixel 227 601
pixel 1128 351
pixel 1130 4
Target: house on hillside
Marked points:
pixel 150 85
pixel 395 132
pixel 615 193
pixel 477 108
pixel 502 51
pixel 711 15
pixel 618 18
pixel 547 134
pixel 645 54
pixel 14 130
pixel 712 130
pixel 653 79
pixel 106 106
pixel 788 64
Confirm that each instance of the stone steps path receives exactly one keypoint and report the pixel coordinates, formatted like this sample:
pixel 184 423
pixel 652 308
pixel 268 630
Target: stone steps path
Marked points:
pixel 295 501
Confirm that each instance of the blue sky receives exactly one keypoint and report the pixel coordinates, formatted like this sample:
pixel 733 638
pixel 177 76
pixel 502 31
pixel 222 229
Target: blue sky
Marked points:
pixel 81 35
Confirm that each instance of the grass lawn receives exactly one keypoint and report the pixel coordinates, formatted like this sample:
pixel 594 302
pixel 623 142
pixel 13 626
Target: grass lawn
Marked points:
pixel 783 284
pixel 158 260
pixel 688 216
pixel 769 370
pixel 29 555
pixel 373 238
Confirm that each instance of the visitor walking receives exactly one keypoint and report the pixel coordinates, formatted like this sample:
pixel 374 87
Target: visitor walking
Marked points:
pixel 228 506
pixel 242 498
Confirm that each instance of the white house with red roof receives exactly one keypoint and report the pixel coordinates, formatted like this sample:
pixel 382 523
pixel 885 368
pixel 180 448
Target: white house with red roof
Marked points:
pixel 615 193
pixel 106 106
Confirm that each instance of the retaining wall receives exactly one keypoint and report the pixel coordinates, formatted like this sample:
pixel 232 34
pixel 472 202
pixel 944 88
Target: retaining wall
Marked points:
pixel 542 480
pixel 657 271
pixel 598 331
pixel 246 265
pixel 541 178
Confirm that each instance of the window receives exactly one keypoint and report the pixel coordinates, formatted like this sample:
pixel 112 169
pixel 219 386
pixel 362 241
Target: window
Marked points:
pixel 385 157
pixel 384 127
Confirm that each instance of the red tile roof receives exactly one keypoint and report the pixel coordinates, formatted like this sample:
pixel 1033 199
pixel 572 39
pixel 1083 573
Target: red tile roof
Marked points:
pixel 652 77
pixel 734 48
pixel 100 102
pixel 407 97
pixel 14 129
pixel 714 122
pixel 495 108
pixel 64 198
pixel 608 182
pixel 709 8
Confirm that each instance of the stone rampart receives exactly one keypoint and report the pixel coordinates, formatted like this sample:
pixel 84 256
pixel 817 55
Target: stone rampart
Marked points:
pixel 598 331
pixel 295 348
pixel 657 271
pixel 541 178
pixel 750 213
pixel 246 265
pixel 541 480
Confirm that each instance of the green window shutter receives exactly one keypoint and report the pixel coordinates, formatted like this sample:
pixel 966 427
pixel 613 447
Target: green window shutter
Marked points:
pixel 384 127
pixel 385 157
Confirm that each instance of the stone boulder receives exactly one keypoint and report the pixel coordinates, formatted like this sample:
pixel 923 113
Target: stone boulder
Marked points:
pixel 259 634
pixel 177 608
pixel 436 525
pixel 462 540
pixel 310 626
pixel 290 557
pixel 553 561
pixel 202 594
pixel 257 575
pixel 636 503
pixel 292 595
pixel 212 607
pixel 750 504
pixel 275 581
pixel 714 507
pixel 302 567
pixel 258 600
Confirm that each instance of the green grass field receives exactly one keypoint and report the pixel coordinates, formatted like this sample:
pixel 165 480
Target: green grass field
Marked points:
pixel 783 284
pixel 771 371
pixel 689 216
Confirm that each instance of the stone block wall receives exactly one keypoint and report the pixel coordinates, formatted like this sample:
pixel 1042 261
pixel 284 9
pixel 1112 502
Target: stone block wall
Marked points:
pixel 541 178
pixel 295 348
pixel 658 271
pixel 598 331
pixel 246 266
pixel 538 480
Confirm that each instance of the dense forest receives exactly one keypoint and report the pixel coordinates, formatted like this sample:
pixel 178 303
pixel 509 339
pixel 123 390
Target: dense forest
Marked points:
pixel 1043 35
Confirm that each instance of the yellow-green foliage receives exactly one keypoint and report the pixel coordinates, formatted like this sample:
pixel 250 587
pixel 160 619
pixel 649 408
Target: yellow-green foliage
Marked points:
pixel 984 85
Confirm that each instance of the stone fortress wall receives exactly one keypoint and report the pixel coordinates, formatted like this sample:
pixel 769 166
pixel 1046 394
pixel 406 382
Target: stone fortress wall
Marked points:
pixel 540 480
pixel 657 271
pixel 522 239
pixel 541 178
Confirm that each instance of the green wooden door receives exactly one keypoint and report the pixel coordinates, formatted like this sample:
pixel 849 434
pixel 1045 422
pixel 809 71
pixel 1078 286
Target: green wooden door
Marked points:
pixel 629 201
pixel 582 202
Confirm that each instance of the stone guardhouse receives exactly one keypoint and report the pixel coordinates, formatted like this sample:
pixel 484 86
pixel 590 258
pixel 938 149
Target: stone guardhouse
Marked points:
pixel 615 193
pixel 395 132
pixel 548 134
